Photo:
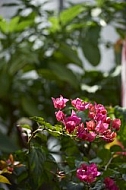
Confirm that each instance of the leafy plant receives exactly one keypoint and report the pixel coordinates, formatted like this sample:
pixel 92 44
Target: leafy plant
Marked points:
pixel 90 156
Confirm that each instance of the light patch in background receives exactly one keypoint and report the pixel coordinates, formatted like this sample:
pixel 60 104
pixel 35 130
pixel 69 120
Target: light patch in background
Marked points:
pixel 30 74
pixel 90 89
pixel 54 148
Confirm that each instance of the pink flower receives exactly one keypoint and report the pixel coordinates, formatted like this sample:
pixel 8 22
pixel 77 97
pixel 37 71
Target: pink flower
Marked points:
pixel 108 135
pixel 90 125
pixel 83 133
pixel 59 103
pixel 60 116
pixel 79 104
pixel 97 112
pixel 108 120
pixel 87 173
pixel 110 184
pixel 91 136
pixel 116 123
pixel 101 127
pixel 71 122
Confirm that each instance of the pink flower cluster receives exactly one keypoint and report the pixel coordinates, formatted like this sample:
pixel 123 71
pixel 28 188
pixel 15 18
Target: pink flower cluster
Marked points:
pixel 98 124
pixel 110 184
pixel 87 173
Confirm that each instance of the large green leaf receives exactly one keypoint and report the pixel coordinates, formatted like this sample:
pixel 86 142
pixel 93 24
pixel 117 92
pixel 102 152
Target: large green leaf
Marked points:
pixel 90 45
pixel 37 157
pixel 24 24
pixel 93 32
pixel 69 14
pixel 55 26
pixel 9 26
pixel 70 53
pixel 64 74
pixel 91 52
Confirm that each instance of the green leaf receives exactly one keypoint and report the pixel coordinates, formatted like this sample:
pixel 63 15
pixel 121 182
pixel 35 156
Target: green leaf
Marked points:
pixel 89 43
pixel 104 155
pixel 108 172
pixel 37 157
pixel 24 24
pixel 13 23
pixel 69 14
pixel 4 180
pixel 70 53
pixel 91 52
pixel 54 24
pixel 39 120
pixel 3 26
pixel 93 33
pixel 42 122
pixel 9 26
pixel 96 160
pixel 115 148
pixel 98 185
pixel 64 74
pixel 25 126
pixel 73 26
pixel 55 130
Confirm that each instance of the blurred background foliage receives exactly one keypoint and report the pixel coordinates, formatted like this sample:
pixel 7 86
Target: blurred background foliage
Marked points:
pixel 40 58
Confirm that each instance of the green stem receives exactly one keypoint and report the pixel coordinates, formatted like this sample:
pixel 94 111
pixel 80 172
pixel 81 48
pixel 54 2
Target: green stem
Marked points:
pixel 108 163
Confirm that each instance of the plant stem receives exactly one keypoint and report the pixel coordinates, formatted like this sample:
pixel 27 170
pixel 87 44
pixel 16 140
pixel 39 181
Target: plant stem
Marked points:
pixel 106 166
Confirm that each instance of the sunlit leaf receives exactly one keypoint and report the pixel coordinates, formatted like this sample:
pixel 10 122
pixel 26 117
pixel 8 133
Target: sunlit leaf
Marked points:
pixel 24 24
pixel 3 179
pixel 70 13
pixel 25 126
pixel 9 26
pixel 42 122
pixel 54 24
